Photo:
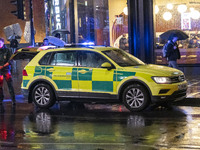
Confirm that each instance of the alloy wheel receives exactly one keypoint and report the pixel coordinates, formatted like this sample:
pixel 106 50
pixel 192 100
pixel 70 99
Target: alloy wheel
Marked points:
pixel 42 96
pixel 134 98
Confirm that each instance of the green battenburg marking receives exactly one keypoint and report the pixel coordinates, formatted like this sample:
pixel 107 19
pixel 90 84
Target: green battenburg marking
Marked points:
pixel 120 75
pixel 86 76
pixel 49 74
pixel 39 71
pixel 103 86
pixel 74 74
pixel 64 84
pixel 25 82
pixel 115 76
pixel 42 71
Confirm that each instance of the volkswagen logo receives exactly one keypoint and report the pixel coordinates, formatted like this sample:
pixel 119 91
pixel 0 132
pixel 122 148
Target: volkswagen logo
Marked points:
pixel 180 78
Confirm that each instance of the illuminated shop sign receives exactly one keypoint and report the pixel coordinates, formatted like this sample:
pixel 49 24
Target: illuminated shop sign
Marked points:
pixel 57 13
pixel 185 21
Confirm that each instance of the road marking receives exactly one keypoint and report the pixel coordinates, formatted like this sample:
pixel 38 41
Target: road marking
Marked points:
pixel 180 146
pixel 122 144
pixel 193 84
pixel 193 94
pixel 4 142
pixel 94 144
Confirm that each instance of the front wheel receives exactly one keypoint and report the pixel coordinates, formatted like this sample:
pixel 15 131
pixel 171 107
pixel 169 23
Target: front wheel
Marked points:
pixel 43 96
pixel 135 97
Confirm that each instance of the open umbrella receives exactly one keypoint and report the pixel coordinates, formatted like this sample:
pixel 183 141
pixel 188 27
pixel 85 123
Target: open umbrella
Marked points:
pixel 60 31
pixel 56 41
pixel 172 33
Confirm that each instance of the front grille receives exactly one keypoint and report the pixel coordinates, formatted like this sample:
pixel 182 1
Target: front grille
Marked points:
pixel 178 79
pixel 179 93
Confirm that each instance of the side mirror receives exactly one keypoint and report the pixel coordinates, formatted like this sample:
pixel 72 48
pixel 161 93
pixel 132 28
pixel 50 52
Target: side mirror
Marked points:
pixel 106 65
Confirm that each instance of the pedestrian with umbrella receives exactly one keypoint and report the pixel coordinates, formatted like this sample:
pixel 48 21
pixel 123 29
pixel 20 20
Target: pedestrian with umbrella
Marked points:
pixel 171 47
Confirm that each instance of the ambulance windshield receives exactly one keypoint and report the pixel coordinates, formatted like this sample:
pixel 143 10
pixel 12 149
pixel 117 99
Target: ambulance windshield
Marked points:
pixel 122 58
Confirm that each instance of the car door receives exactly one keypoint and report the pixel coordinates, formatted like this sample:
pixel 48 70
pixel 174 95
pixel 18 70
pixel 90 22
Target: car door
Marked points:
pixel 94 81
pixel 63 67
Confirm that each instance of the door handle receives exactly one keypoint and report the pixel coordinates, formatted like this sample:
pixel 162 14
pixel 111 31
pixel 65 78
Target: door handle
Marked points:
pixel 51 69
pixel 119 73
pixel 83 71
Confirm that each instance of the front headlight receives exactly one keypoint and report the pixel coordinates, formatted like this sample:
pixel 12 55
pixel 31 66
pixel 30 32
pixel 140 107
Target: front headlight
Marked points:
pixel 162 80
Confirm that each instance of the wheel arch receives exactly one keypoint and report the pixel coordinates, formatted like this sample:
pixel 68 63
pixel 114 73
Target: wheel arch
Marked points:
pixel 32 85
pixel 133 81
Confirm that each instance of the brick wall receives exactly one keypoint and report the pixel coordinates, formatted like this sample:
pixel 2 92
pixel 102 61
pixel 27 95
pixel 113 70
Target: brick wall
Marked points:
pixel 6 18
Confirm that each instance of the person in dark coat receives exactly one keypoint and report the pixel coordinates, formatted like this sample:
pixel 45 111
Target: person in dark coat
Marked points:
pixel 5 71
pixel 173 52
pixel 123 43
pixel 45 42
pixel 14 45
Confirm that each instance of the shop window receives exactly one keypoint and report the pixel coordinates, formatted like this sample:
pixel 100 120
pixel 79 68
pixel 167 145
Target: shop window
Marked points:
pixel 103 22
pixel 100 22
pixel 183 15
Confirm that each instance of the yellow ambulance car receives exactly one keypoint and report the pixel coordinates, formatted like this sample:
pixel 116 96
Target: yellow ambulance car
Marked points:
pixel 101 75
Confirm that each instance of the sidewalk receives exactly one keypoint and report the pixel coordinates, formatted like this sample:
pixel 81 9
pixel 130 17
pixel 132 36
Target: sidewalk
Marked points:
pixel 193 93
pixel 193 87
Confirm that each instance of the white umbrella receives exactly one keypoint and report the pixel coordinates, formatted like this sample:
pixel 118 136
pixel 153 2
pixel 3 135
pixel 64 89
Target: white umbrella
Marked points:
pixel 56 41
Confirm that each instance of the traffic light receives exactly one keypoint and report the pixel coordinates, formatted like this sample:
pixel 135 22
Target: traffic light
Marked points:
pixel 20 8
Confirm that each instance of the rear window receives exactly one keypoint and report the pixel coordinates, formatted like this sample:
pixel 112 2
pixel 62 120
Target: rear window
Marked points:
pixel 64 58
pixel 45 59
pixel 24 55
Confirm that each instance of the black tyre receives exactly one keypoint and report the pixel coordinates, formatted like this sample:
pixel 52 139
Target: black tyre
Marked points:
pixel 43 96
pixel 135 97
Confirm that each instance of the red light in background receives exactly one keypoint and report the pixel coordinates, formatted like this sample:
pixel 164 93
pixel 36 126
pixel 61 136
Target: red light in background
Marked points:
pixel 3 134
pixel 24 73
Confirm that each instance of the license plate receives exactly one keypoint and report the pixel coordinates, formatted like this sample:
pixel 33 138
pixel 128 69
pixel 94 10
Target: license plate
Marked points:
pixel 182 86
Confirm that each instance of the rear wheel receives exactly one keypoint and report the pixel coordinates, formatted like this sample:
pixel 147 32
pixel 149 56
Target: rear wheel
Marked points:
pixel 43 96
pixel 135 97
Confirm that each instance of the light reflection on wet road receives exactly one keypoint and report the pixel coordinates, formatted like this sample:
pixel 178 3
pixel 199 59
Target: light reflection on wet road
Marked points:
pixel 98 127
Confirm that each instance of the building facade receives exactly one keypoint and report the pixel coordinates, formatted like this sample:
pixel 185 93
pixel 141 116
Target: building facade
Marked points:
pixel 8 19
pixel 183 15
pixel 105 22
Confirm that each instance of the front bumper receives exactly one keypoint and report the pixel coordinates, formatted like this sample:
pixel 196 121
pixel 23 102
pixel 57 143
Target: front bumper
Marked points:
pixel 176 96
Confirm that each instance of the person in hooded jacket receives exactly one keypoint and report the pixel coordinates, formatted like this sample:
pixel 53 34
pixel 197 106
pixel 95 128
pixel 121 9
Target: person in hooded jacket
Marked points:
pixel 5 71
pixel 173 52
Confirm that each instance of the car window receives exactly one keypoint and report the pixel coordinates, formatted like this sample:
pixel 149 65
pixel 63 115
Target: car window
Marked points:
pixel 65 58
pixel 45 59
pixel 23 55
pixel 91 59
pixel 122 58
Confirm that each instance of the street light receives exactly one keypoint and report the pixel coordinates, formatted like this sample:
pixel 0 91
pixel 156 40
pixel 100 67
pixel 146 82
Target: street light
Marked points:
pixel 167 16
pixel 125 10
pixel 156 9
pixel 170 6
pixel 182 8
pixel 195 14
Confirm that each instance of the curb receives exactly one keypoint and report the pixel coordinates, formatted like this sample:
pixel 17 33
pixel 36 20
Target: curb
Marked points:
pixel 188 102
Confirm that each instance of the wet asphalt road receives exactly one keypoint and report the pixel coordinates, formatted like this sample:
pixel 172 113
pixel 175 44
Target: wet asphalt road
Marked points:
pixel 69 126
